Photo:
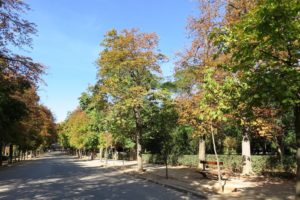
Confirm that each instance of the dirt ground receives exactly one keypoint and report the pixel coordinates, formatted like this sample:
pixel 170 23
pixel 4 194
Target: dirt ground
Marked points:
pixel 235 187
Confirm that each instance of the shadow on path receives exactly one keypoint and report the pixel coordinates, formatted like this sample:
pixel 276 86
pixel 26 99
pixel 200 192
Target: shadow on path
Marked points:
pixel 56 176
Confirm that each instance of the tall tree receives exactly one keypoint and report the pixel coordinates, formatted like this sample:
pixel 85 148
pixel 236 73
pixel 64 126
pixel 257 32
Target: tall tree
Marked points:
pixel 128 67
pixel 193 62
pixel 264 46
pixel 162 126
pixel 17 32
pixel 189 112
pixel 17 72
pixel 215 104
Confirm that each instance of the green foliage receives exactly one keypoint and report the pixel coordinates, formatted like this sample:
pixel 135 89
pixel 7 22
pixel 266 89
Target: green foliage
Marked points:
pixel 230 144
pixel 161 132
pixel 260 163
pixel 91 140
pixel 264 46
pixel 290 142
pixel 239 76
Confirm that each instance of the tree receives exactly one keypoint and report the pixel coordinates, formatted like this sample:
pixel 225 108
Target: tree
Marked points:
pixel 106 141
pixel 127 67
pixel 215 104
pixel 37 128
pixel 48 126
pixel 264 48
pixel 161 126
pixel 94 103
pixel 76 128
pixel 17 73
pixel 17 32
pixel 12 110
pixel 190 69
pixel 189 111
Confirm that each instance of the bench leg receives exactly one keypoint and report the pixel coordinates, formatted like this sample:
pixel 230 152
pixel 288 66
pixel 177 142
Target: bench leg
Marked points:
pixel 203 174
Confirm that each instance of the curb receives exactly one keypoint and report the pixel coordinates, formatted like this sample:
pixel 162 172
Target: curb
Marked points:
pixel 175 187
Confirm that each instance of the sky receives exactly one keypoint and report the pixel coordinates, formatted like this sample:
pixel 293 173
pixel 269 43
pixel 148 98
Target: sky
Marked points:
pixel 70 31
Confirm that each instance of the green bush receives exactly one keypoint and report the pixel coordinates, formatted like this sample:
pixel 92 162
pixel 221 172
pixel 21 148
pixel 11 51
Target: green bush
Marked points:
pixel 260 163
pixel 188 160
pixel 153 158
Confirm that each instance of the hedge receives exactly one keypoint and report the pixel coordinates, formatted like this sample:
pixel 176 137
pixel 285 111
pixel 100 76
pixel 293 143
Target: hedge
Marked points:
pixel 260 163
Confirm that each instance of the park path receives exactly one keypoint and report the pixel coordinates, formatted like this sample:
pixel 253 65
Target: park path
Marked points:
pixel 56 176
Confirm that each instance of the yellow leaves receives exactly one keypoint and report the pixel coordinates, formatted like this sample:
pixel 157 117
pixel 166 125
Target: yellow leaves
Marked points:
pixel 128 66
pixel 75 127
pixel 137 91
pixel 106 139
pixel 265 127
pixel 265 123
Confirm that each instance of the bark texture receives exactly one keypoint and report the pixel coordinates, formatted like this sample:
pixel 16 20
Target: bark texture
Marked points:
pixel 201 153
pixel 246 154
pixel 297 130
pixel 138 121
pixel 217 158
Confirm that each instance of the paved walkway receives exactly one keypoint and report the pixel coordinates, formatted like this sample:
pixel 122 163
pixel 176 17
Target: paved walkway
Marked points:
pixel 63 177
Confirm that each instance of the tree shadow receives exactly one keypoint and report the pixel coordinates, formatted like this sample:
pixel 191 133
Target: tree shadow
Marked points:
pixel 241 188
pixel 62 178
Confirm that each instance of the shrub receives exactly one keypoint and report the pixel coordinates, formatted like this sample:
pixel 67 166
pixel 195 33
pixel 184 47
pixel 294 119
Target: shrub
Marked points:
pixel 260 163
pixel 188 160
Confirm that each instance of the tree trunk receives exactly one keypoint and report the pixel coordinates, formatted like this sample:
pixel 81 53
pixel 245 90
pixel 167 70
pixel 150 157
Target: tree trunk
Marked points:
pixel 217 158
pixel 15 156
pixel 139 153
pixel 297 131
pixel 246 154
pixel 166 163
pixel 1 148
pixel 10 160
pixel 5 150
pixel 280 154
pixel 280 148
pixel 265 148
pixel 19 155
pixel 101 152
pixel 106 155
pixel 201 153
pixel 138 121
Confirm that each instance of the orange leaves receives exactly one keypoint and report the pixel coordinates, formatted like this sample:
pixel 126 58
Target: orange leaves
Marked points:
pixel 128 65
pixel 266 122
pixel 189 112
pixel 237 8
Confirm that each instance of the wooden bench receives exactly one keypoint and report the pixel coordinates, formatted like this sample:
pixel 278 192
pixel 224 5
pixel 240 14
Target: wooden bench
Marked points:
pixel 204 163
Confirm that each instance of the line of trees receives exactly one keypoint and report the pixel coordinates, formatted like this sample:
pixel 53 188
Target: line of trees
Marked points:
pixel 24 122
pixel 237 83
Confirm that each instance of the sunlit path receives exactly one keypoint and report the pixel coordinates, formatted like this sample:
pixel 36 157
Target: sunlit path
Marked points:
pixel 61 177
